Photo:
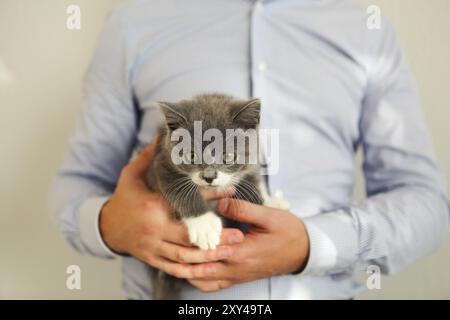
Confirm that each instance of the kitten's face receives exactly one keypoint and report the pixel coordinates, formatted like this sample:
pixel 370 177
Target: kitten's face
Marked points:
pixel 206 166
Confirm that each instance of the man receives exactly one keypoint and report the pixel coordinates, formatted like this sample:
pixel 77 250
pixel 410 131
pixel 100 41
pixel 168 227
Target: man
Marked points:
pixel 327 82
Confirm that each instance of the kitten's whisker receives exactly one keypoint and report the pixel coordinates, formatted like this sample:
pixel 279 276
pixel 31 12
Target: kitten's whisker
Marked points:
pixel 175 183
pixel 238 195
pixel 250 193
pixel 175 186
pixel 190 194
pixel 184 195
pixel 256 197
pixel 178 190
pixel 238 205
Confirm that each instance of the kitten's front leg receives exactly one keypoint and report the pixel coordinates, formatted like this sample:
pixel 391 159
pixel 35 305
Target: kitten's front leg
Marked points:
pixel 203 224
pixel 204 230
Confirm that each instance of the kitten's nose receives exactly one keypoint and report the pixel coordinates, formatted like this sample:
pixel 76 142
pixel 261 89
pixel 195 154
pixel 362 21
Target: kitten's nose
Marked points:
pixel 209 175
pixel 209 180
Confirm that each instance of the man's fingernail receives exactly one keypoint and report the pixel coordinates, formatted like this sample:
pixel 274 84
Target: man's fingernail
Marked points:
pixel 234 238
pixel 222 205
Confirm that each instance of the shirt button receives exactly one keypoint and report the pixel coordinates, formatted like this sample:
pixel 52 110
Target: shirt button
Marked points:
pixel 262 67
pixel 258 6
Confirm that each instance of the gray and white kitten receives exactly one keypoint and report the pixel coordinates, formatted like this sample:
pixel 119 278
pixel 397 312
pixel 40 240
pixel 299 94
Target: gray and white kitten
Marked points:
pixel 180 184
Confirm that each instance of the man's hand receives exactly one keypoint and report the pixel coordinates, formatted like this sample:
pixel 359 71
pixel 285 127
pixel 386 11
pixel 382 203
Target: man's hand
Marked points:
pixel 276 244
pixel 138 222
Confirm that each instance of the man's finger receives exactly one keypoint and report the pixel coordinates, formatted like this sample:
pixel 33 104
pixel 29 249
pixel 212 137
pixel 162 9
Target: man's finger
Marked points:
pixel 217 193
pixel 210 285
pixel 178 234
pixel 138 166
pixel 183 271
pixel 244 211
pixel 216 271
pixel 182 254
pixel 231 236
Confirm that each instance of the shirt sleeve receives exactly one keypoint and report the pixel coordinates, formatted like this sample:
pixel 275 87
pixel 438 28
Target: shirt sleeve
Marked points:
pixel 100 146
pixel 406 213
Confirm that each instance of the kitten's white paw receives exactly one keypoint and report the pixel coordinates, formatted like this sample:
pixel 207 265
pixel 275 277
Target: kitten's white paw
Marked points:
pixel 277 201
pixel 204 231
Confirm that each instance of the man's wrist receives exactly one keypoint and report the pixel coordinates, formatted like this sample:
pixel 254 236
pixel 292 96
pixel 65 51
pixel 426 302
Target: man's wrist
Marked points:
pixel 102 226
pixel 304 248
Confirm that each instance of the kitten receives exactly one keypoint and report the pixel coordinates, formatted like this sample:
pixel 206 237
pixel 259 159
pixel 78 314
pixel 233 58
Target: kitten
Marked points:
pixel 180 184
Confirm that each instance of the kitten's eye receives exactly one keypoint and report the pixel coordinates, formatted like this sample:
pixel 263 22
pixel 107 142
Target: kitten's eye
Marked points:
pixel 229 157
pixel 190 157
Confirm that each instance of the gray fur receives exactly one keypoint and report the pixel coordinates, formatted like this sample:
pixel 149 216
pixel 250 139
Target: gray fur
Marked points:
pixel 173 182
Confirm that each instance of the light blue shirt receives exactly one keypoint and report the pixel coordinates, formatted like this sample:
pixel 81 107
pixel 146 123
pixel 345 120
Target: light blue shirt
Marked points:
pixel 326 81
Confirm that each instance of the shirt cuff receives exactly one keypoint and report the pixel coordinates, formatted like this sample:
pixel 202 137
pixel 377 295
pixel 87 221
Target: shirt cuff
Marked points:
pixel 88 221
pixel 333 243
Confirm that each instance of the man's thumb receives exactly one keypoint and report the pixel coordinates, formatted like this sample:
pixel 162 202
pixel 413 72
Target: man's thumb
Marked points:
pixel 242 211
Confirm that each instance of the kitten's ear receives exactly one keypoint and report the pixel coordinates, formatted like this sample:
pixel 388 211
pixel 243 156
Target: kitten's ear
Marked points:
pixel 247 114
pixel 174 118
